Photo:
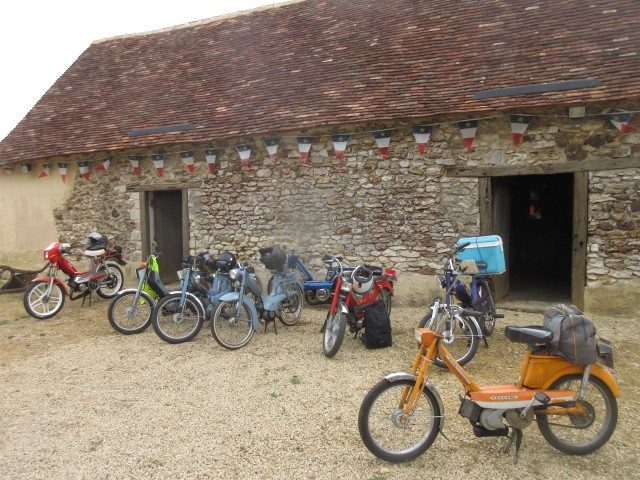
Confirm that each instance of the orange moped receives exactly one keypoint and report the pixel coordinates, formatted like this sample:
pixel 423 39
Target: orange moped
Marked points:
pixel 574 406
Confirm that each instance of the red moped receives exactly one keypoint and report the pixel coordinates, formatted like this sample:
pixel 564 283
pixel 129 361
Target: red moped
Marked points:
pixel 351 298
pixel 45 296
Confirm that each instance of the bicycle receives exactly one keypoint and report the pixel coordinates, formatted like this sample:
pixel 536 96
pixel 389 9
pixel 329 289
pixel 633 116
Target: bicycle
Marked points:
pixel 459 325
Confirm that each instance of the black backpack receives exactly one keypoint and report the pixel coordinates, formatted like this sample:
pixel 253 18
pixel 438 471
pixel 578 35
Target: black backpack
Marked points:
pixel 377 327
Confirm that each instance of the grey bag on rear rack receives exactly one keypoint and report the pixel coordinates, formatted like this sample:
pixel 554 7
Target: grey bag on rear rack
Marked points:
pixel 574 334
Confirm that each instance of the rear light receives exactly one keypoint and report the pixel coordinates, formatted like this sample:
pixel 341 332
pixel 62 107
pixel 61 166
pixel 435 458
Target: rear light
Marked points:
pixel 143 265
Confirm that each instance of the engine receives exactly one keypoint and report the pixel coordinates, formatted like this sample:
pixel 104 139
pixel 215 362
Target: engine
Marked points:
pixel 490 422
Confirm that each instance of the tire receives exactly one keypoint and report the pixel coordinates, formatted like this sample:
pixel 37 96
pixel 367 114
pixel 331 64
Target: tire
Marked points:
pixel 489 319
pixel 229 330
pixel 37 305
pixel 176 323
pixel 111 285
pixel 385 296
pixel 388 436
pixel 128 316
pixel 290 308
pixel 581 434
pixel 463 343
pixel 333 333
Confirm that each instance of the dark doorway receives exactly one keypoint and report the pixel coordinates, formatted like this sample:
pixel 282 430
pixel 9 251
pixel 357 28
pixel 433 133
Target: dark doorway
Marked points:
pixel 165 227
pixel 540 237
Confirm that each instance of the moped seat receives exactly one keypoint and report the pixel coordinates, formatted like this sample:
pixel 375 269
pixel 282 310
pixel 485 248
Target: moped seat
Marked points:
pixel 94 253
pixel 531 334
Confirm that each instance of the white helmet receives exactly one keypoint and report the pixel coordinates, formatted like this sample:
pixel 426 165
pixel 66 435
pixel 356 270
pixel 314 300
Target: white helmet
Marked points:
pixel 362 279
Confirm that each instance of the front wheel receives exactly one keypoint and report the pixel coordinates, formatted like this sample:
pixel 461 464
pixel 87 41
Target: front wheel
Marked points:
pixel 175 321
pixel 461 337
pixel 112 283
pixel 290 308
pixel 334 330
pixel 40 304
pixel 391 434
pixel 129 314
pixel 586 432
pixel 232 327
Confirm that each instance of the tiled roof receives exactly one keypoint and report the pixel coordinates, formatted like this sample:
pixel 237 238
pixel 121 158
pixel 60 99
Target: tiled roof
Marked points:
pixel 320 63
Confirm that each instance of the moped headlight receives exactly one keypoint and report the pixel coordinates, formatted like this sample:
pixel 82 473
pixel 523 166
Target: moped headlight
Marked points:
pixel 441 282
pixel 233 274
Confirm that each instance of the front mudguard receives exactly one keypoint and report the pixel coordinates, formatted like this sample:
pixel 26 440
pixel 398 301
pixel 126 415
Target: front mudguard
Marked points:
pixel 394 377
pixel 234 297
pixel 56 280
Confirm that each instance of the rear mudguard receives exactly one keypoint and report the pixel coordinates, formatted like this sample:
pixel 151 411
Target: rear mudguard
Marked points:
pixel 57 281
pixel 597 371
pixel 271 302
pixel 392 377
pixel 233 297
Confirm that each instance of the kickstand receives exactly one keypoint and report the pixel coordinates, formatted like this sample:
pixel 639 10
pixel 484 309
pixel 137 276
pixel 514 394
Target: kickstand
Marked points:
pixel 516 434
pixel 275 327
pixel 85 298
pixel 486 344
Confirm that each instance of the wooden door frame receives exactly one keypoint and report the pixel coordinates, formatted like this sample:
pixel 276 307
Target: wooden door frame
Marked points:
pixel 145 228
pixel 578 229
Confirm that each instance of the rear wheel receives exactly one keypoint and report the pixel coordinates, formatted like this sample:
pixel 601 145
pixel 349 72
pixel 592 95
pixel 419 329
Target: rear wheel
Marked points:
pixel 129 315
pixel 113 283
pixel 290 308
pixel 387 431
pixel 41 305
pixel 489 319
pixel 583 433
pixel 333 335
pixel 231 326
pixel 175 321
pixel 385 296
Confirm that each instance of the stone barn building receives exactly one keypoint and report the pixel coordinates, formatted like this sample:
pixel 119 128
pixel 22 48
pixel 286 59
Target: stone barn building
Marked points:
pixel 383 130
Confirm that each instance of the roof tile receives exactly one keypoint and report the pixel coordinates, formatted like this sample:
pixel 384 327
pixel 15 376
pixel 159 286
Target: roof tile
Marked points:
pixel 321 63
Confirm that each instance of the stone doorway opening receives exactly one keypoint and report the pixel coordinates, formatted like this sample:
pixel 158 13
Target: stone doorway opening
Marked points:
pixel 540 237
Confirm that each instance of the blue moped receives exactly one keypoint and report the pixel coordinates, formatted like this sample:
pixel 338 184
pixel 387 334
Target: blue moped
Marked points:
pixel 317 292
pixel 178 317
pixel 237 316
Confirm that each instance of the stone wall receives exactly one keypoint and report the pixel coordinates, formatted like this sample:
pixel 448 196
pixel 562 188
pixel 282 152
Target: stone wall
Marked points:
pixel 403 212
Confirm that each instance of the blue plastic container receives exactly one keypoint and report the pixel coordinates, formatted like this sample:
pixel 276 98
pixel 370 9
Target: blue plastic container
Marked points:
pixel 487 249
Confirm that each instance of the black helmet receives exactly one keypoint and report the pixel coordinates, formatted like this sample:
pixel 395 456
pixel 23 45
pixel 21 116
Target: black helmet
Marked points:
pixel 273 258
pixel 226 261
pixel 362 280
pixel 97 241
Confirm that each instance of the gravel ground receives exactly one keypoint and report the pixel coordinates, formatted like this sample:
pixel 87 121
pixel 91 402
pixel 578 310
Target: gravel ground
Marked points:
pixel 82 401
